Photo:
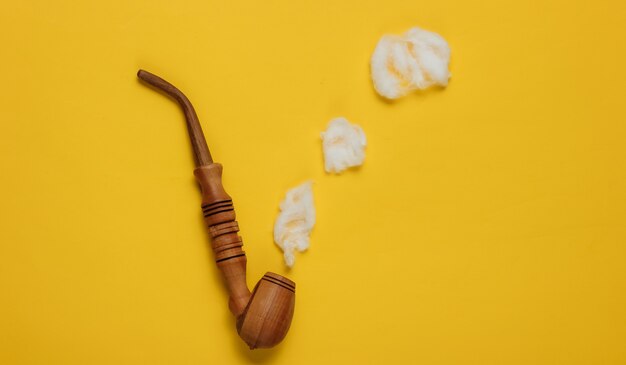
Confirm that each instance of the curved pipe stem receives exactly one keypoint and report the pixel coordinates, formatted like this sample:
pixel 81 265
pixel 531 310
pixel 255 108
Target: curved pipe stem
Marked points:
pixel 198 143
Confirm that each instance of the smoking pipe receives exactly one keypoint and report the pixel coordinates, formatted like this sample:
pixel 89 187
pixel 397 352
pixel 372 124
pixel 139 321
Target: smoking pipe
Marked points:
pixel 263 316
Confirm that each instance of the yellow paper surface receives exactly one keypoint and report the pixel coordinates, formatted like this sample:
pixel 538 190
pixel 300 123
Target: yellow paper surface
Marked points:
pixel 487 225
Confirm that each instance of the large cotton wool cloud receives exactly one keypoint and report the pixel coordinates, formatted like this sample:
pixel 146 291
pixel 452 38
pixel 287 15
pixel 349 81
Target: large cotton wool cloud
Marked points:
pixel 343 144
pixel 295 221
pixel 416 60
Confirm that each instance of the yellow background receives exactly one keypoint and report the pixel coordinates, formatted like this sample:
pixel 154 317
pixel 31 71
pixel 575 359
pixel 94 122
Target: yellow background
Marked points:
pixel 487 225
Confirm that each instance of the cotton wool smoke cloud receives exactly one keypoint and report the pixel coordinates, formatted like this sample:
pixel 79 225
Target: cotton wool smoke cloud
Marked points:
pixel 416 60
pixel 343 144
pixel 295 221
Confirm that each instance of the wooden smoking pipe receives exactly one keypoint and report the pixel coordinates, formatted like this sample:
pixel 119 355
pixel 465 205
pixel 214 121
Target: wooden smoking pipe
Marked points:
pixel 263 316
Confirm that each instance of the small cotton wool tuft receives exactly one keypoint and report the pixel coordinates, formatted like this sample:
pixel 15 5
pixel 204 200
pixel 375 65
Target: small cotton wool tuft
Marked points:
pixel 416 60
pixel 343 144
pixel 295 221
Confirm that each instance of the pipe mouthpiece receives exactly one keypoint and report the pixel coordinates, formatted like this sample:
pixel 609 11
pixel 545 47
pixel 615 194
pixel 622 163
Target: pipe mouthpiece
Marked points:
pixel 200 148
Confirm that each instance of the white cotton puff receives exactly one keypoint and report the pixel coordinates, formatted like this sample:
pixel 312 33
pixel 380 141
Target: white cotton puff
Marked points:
pixel 343 144
pixel 295 221
pixel 416 60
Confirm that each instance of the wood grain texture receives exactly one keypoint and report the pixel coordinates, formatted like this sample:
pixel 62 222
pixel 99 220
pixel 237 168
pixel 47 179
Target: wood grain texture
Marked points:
pixel 263 316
